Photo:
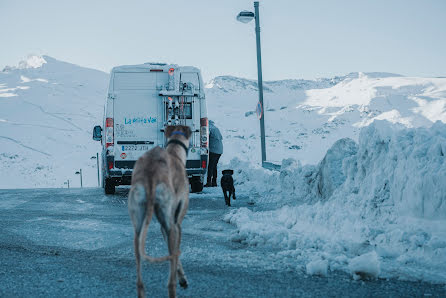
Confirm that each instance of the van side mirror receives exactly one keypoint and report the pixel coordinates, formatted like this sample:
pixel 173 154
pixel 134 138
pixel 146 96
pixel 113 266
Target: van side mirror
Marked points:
pixel 97 133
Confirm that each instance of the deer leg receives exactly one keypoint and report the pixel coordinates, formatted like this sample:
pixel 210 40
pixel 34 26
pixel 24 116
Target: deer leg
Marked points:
pixel 172 239
pixel 143 235
pixel 143 242
pixel 137 204
pixel 181 276
pixel 139 283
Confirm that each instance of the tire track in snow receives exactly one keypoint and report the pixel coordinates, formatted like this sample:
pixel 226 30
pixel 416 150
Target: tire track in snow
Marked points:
pixel 27 147
pixel 53 115
pixel 36 125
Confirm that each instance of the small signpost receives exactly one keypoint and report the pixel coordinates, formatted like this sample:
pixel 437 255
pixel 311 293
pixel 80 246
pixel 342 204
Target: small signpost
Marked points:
pixel 259 110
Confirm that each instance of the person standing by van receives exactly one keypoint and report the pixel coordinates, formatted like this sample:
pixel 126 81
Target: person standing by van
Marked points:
pixel 215 151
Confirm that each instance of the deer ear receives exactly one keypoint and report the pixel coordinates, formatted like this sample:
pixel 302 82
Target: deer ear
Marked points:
pixel 168 131
pixel 188 131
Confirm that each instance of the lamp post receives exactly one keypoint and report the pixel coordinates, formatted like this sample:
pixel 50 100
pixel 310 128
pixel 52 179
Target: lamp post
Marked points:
pixel 246 17
pixel 97 164
pixel 79 173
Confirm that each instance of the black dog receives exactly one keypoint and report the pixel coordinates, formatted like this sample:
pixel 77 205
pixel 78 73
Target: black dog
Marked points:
pixel 227 185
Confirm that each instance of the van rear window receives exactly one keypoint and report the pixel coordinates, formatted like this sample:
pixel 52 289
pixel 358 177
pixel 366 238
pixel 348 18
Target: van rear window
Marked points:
pixel 191 77
pixel 135 81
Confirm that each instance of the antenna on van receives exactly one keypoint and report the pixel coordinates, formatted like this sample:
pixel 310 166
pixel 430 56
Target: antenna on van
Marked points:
pixel 171 79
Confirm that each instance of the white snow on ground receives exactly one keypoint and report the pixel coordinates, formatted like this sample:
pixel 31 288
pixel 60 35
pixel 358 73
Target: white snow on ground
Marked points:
pixel 317 267
pixel 373 209
pixel 354 193
pixel 365 266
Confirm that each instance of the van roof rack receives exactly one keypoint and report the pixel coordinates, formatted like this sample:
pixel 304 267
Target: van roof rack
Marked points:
pixel 156 63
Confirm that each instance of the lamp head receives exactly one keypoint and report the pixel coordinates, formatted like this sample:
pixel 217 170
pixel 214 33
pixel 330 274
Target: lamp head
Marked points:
pixel 245 16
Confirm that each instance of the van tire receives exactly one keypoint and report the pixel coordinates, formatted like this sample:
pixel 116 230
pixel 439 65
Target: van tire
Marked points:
pixel 109 187
pixel 196 184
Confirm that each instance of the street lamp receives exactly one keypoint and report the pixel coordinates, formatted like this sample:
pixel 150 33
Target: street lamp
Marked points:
pixel 97 164
pixel 246 17
pixel 79 173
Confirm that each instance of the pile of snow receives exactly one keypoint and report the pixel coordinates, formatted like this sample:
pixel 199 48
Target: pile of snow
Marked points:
pixel 317 267
pixel 384 197
pixel 365 266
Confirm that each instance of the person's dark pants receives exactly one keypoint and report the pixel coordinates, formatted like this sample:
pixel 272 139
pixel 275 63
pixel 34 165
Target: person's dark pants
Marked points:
pixel 212 169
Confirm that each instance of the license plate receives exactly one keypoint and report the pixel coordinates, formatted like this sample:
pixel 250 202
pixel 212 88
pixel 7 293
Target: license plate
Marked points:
pixel 135 148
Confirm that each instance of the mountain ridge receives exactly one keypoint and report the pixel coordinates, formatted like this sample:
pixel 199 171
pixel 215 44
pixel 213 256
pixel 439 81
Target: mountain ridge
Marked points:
pixel 48 110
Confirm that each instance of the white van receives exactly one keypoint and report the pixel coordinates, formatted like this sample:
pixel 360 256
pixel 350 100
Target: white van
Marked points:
pixel 142 100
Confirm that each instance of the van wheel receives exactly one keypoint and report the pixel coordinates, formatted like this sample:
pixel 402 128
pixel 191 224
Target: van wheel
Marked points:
pixel 196 184
pixel 109 187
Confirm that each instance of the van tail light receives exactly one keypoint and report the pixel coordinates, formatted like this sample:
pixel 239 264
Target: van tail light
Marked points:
pixel 204 161
pixel 109 132
pixel 204 132
pixel 110 162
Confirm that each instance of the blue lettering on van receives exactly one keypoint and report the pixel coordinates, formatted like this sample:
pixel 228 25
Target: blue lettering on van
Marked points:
pixel 139 120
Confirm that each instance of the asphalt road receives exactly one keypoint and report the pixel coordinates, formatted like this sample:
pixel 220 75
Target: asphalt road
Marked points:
pixel 78 242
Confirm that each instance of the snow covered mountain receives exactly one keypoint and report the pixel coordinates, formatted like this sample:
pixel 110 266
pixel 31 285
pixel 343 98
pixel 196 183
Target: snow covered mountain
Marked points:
pixel 48 108
pixel 47 111
pixel 304 118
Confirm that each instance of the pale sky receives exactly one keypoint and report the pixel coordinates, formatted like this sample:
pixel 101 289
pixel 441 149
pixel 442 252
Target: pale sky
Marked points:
pixel 300 39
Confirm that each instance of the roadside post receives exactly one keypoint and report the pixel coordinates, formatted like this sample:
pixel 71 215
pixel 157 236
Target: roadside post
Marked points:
pixel 246 17
pixel 79 173
pixel 97 165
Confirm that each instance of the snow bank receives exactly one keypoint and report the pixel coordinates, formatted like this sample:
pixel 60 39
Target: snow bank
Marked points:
pixel 317 267
pixel 385 197
pixel 310 183
pixel 365 266
pixel 401 169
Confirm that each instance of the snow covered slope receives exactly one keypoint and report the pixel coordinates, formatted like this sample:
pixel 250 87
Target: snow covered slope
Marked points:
pixel 47 111
pixel 304 118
